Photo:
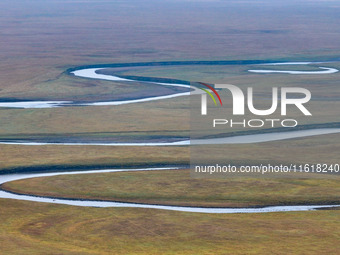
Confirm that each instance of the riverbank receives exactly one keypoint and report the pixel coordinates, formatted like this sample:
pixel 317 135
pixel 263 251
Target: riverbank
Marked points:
pixel 97 203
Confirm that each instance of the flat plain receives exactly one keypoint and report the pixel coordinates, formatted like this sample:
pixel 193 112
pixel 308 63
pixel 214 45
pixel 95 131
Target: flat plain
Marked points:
pixel 40 40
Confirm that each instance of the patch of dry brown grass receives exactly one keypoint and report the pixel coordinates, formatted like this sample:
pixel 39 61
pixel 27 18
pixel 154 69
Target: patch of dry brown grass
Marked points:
pixel 38 228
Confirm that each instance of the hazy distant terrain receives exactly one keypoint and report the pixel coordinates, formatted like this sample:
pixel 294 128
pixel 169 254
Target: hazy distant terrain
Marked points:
pixel 40 39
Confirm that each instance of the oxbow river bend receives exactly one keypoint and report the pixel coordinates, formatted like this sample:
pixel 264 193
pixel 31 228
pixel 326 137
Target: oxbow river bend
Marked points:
pixel 93 203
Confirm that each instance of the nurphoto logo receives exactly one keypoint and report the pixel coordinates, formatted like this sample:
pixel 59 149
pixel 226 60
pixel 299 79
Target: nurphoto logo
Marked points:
pixel 288 96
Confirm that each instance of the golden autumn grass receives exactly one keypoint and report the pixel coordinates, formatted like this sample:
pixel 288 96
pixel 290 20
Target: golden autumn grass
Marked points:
pixel 41 39
pixel 176 187
pixel 37 228
pixel 78 157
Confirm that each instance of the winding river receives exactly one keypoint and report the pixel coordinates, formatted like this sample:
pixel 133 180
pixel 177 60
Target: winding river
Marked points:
pixel 92 73
pixel 325 70
pixel 239 139
pixel 94 203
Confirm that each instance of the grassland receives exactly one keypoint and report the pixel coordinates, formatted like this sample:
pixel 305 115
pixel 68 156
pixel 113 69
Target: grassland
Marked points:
pixel 37 228
pixel 41 39
pixel 49 158
pixel 176 187
pixel 150 116
pixel 311 150
pixel 62 34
